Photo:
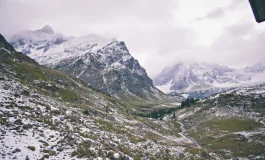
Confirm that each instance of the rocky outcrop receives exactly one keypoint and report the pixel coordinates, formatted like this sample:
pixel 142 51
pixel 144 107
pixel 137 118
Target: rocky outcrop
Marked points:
pixel 104 64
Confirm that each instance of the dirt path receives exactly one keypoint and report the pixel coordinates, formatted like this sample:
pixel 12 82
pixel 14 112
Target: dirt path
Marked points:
pixel 182 134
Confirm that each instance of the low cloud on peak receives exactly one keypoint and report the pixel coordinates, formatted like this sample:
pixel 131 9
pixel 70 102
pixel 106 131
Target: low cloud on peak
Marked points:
pixel 156 32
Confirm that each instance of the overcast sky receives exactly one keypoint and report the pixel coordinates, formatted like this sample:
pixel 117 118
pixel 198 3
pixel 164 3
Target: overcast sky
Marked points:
pixel 158 33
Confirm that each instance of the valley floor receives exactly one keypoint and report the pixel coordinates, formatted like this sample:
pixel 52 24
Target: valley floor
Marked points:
pixel 231 125
pixel 38 126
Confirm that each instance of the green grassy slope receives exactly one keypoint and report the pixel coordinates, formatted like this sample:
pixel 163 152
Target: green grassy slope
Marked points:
pixel 231 125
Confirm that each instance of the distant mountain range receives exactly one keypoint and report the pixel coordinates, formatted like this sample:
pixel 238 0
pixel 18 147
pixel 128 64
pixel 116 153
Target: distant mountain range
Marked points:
pixel 257 68
pixel 202 80
pixel 107 66
pixel 104 64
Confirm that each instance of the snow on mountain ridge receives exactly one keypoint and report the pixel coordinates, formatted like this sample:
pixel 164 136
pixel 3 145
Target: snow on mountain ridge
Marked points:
pixel 104 64
pixel 49 48
pixel 193 77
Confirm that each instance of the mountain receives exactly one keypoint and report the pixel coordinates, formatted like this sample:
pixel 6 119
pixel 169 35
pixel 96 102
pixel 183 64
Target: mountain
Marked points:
pixel 46 114
pixel 231 124
pixel 40 40
pixel 199 80
pixel 257 68
pixel 104 64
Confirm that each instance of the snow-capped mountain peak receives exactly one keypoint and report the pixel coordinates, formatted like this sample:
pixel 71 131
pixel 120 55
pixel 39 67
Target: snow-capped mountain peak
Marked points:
pixel 39 41
pixel 103 63
pixel 186 78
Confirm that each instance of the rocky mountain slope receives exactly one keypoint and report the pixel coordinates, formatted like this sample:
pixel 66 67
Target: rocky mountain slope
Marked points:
pixel 202 80
pixel 231 124
pixel 104 64
pixel 45 114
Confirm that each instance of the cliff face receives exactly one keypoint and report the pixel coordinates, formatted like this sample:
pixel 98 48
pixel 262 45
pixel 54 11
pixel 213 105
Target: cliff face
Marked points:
pixel 104 64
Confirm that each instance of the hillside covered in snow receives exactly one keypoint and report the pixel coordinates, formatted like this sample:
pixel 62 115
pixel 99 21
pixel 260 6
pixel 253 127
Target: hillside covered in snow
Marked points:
pixel 45 114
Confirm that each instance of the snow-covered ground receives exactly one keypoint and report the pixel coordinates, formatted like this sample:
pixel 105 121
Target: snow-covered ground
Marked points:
pixel 27 122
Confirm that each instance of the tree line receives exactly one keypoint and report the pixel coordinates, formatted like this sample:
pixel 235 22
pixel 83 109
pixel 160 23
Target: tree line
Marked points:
pixel 157 113
pixel 188 102
pixel 160 113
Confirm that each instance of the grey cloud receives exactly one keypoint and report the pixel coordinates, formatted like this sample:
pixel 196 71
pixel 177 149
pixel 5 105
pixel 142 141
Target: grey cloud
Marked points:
pixel 173 38
pixel 240 29
pixel 239 45
pixel 219 12
pixel 236 49
pixel 140 23
pixel 234 4
pixel 146 26
pixel 85 16
pixel 159 47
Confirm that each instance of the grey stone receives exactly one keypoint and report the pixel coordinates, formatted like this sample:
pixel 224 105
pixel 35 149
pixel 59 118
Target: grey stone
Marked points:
pixel 25 126
pixel 16 150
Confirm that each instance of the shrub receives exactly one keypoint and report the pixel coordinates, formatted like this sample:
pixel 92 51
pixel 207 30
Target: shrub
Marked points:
pixel 56 112
pixel 86 112
pixel 111 155
pixel 31 148
pixel 18 122
pixel 48 107
pixel 83 150
pixel 45 156
pixel 46 151
pixel 25 93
